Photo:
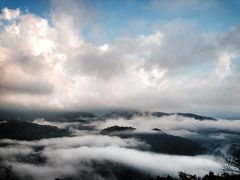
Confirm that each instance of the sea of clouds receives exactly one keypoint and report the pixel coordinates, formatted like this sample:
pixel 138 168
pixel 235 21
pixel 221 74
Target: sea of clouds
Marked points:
pixel 74 156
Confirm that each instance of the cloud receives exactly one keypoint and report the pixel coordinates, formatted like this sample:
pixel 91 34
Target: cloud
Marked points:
pixel 223 66
pixel 10 14
pixel 76 156
pixel 32 86
pixel 47 63
pixel 61 125
pixel 10 152
pixel 132 158
pixel 174 124
pixel 84 156
pixel 77 141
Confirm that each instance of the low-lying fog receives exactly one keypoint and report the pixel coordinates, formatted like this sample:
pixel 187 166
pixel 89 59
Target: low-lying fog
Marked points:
pixel 83 153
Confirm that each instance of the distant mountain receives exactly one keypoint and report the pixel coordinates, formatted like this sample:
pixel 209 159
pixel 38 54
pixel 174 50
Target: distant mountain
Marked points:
pixel 20 130
pixel 79 116
pixel 198 117
pixel 189 115
pixel 157 142
pixel 158 130
pixel 130 114
pixel 169 144
pixel 121 114
pixel 29 115
pixel 116 129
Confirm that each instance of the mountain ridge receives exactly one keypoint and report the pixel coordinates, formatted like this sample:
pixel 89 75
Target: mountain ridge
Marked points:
pixel 131 114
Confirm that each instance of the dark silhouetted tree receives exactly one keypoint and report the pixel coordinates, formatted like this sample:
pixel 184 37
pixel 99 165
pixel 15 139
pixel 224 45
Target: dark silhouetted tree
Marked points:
pixel 186 176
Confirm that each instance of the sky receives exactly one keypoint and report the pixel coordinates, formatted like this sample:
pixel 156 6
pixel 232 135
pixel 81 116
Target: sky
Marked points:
pixel 174 56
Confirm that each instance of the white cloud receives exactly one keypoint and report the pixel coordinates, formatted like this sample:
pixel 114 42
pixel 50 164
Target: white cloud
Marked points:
pixel 104 47
pixel 174 124
pixel 77 141
pixel 223 68
pixel 62 125
pixel 156 163
pixel 50 59
pixel 154 39
pixel 10 14
pixel 73 157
